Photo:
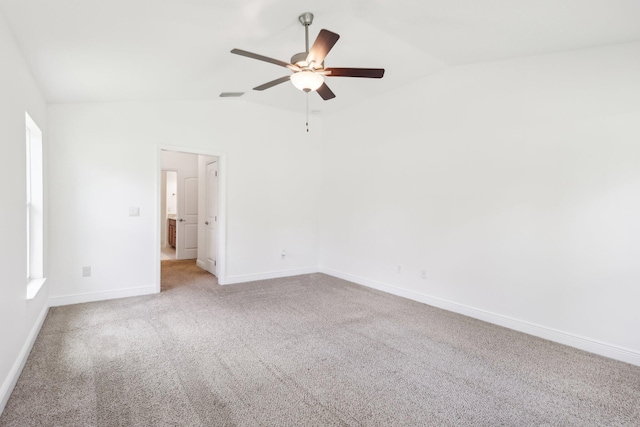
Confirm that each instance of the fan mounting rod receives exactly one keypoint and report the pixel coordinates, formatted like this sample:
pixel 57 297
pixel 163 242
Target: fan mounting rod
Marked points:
pixel 306 19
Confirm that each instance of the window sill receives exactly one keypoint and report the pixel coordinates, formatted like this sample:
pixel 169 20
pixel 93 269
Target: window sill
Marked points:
pixel 34 286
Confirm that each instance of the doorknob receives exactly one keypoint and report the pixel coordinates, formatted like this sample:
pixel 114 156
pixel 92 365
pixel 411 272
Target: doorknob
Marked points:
pixel 206 223
pixel 181 220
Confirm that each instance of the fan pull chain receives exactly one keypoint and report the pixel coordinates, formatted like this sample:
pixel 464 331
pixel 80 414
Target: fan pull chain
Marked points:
pixel 307 112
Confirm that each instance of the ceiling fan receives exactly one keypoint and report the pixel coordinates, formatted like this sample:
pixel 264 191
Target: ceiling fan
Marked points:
pixel 308 67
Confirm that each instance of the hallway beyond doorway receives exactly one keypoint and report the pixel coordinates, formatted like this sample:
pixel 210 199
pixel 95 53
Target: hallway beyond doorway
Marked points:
pixel 167 253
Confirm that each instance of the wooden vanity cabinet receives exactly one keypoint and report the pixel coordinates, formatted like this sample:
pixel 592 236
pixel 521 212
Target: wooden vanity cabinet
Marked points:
pixel 172 232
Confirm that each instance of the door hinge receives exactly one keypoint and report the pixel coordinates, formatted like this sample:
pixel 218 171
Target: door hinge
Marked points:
pixel 215 218
pixel 215 263
pixel 216 173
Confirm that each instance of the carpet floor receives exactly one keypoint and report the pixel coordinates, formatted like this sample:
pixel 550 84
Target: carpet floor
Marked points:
pixel 303 351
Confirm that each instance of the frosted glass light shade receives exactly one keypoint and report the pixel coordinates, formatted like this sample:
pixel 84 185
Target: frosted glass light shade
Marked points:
pixel 307 81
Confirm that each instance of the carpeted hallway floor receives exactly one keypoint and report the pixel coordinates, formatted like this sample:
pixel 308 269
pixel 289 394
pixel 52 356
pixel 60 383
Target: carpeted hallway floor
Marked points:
pixel 303 351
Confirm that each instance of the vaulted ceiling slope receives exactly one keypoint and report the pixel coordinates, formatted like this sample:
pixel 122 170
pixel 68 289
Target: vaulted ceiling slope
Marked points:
pixel 142 50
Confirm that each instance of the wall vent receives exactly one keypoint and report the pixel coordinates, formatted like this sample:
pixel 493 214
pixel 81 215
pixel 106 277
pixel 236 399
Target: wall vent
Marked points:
pixel 231 94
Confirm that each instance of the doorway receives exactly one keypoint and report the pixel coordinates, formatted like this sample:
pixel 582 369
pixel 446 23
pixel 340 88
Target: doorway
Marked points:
pixel 191 209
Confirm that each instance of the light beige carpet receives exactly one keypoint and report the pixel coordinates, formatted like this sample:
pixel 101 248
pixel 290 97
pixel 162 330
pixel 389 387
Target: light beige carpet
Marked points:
pixel 301 351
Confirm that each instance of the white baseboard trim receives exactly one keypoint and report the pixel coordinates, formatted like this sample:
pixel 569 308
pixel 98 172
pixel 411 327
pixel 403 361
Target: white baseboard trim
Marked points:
pixel 101 296
pixel 230 280
pixel 201 264
pixel 582 343
pixel 11 380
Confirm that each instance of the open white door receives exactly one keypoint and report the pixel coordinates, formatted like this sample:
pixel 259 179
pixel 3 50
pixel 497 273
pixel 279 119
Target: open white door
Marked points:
pixel 187 223
pixel 211 220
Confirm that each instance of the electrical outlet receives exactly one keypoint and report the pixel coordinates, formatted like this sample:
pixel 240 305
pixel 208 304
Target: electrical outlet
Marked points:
pixel 423 274
pixel 134 211
pixel 398 269
pixel 86 271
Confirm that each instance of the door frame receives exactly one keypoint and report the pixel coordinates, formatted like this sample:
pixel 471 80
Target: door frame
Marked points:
pixel 221 243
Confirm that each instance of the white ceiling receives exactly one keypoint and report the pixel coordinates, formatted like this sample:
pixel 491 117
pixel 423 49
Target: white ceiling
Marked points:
pixel 122 50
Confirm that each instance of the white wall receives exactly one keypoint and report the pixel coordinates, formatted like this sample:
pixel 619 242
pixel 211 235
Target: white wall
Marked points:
pixel 515 185
pixel 105 158
pixel 19 319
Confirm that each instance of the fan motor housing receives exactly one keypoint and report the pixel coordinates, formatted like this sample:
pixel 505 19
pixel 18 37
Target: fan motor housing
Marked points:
pixel 300 59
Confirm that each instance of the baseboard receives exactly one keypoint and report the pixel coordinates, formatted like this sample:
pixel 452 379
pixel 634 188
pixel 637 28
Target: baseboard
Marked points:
pixel 101 296
pixel 230 280
pixel 18 365
pixel 201 264
pixel 582 343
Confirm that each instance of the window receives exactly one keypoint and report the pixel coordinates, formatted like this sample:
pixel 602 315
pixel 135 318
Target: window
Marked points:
pixel 34 208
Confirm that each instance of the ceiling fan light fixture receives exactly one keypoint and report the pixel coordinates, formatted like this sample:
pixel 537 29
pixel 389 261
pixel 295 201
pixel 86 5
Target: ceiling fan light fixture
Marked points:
pixel 307 81
pixel 308 66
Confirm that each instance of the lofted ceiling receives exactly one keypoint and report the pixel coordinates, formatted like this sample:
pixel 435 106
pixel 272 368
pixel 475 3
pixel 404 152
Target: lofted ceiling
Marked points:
pixel 145 50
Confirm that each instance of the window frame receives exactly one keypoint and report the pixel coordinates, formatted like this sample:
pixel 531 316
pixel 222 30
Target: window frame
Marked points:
pixel 34 207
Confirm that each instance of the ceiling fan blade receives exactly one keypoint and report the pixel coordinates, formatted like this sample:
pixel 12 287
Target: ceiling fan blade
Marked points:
pixel 264 58
pixel 272 83
pixel 372 73
pixel 321 47
pixel 325 92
